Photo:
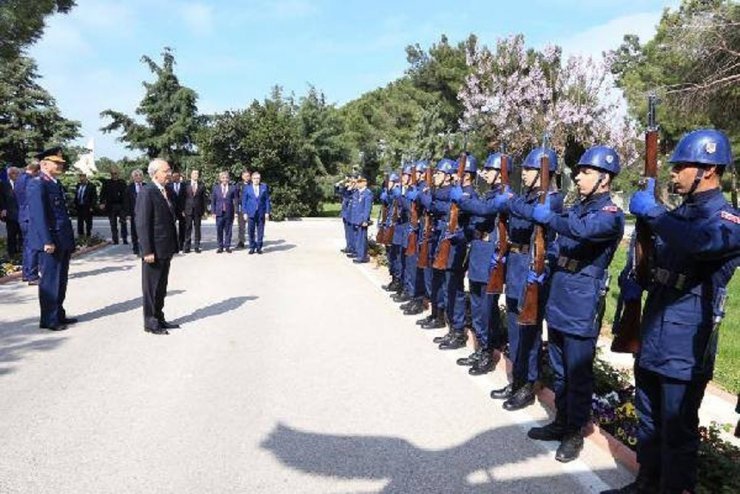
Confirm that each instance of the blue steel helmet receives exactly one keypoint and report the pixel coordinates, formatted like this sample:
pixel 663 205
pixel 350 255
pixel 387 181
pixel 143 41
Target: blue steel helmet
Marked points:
pixel 533 158
pixel 471 164
pixel 493 162
pixel 602 158
pixel 393 177
pixel 703 146
pixel 407 169
pixel 447 166
pixel 421 166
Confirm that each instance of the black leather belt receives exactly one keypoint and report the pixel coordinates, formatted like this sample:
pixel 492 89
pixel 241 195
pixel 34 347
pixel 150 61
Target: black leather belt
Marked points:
pixel 668 278
pixel 569 264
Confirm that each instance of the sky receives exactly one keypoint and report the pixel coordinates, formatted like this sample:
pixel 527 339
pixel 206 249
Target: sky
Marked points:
pixel 233 52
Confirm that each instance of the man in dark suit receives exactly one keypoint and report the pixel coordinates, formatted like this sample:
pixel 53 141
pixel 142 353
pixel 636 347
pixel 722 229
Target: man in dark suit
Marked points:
pixel 256 206
pixel 9 211
pixel 50 232
pixel 85 198
pixel 178 196
pixel 155 222
pixel 111 202
pixel 129 205
pixel 223 205
pixel 245 182
pixel 196 199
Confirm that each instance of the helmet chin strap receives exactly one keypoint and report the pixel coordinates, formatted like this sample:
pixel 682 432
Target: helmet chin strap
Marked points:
pixel 530 188
pixel 598 183
pixel 697 178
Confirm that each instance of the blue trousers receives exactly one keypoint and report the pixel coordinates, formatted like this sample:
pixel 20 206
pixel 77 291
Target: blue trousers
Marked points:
pixel 224 225
pixel 427 275
pixel 411 273
pixel 667 435
pixel 455 281
pixel 30 256
pixel 525 344
pixel 256 230
pixel 438 296
pixel 485 316
pixel 572 362
pixel 53 286
pixel 394 252
pixel 349 244
pixel 361 242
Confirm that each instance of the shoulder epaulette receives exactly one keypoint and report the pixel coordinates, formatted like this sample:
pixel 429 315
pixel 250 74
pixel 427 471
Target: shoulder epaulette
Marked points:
pixel 726 215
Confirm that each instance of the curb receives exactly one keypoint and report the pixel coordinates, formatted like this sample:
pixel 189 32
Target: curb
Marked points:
pixel 84 251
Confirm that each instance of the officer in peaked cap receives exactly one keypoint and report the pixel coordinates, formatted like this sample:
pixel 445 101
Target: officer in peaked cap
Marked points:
pixel 697 250
pixel 362 205
pixel 50 232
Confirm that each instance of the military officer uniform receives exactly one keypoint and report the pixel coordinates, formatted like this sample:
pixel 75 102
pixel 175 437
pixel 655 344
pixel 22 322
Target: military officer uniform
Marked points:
pixel 389 198
pixel 360 218
pixel 30 269
pixel 50 225
pixel 401 234
pixel 588 234
pixel 525 342
pixel 345 192
pixel 415 285
pixel 697 250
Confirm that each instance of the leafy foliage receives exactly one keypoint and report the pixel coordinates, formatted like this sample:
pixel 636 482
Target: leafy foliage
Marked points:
pixel 22 23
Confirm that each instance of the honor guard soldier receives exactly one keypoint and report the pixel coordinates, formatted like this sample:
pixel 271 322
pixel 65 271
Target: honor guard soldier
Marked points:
pixel 345 190
pixel 30 272
pixel 525 341
pixel 697 249
pixel 588 234
pixel 483 244
pixel 389 198
pixel 50 232
pixel 416 285
pixel 362 207
pixel 401 233
pixel 457 261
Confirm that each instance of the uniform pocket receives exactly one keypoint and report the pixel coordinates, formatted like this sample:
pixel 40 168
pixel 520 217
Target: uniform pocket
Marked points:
pixel 571 306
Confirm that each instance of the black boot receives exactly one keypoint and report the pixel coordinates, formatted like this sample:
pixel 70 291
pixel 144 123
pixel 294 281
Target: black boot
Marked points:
pixel 431 317
pixel 437 323
pixel 405 306
pixel 400 297
pixel 506 392
pixel 645 483
pixel 392 286
pixel 570 447
pixel 484 365
pixel 554 431
pixel 470 359
pixel 448 336
pixel 457 341
pixel 523 397
pixel 415 307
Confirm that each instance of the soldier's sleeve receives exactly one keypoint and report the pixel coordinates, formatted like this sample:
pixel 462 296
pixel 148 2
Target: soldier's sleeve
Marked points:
pixel 712 238
pixel 602 226
pixel 520 208
pixel 476 206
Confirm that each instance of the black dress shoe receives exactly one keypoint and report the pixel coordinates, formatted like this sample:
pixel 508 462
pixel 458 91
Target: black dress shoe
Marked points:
pixel 504 393
pixel 168 325
pixel 219 250
pixel 228 250
pixel 470 359
pixel 360 261
pixel 436 323
pixel 406 305
pixel 251 251
pixel 429 318
pixel 416 307
pixel 400 297
pixel 69 320
pixel 34 282
pixel 458 341
pixel 186 250
pixel 447 336
pixel 484 365
pixel 259 251
pixel 523 397
pixel 156 330
pixel 570 447
pixel 240 245
pixel 554 431
pixel 125 241
pixel 197 250
pixel 55 327
pixel 392 286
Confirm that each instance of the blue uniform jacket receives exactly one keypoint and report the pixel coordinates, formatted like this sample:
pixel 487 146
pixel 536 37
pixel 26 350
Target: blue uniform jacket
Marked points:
pixel 700 240
pixel 362 207
pixel 401 232
pixel 346 203
pixel 587 237
pixel 521 228
pixel 49 223
pixel 481 232
pixel 21 194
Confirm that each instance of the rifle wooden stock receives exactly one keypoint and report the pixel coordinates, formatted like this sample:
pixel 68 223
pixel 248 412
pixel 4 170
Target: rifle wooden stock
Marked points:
pixel 443 250
pixel 626 326
pixel 413 222
pixel 380 236
pixel 497 278
pixel 531 308
pixel 423 261
pixel 390 230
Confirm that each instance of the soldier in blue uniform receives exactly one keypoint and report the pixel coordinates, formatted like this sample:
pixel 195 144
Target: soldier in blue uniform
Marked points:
pixel 401 234
pixel 360 219
pixel 389 198
pixel 30 271
pixel 525 342
pixel 457 261
pixel 588 234
pixel 415 285
pixel 483 243
pixel 697 249
pixel 50 231
pixel 345 190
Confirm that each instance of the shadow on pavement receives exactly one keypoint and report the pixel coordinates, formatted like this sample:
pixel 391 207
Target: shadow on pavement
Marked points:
pixel 277 248
pixel 216 309
pixel 14 347
pixel 118 307
pixel 466 468
pixel 96 272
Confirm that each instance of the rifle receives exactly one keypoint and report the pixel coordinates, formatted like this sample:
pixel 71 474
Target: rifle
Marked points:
pixel 380 236
pixel 498 274
pixel 390 230
pixel 530 309
pixel 626 327
pixel 413 221
pixel 423 261
pixel 443 251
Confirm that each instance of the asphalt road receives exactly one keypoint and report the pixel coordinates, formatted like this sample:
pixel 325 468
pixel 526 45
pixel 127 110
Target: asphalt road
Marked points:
pixel 292 373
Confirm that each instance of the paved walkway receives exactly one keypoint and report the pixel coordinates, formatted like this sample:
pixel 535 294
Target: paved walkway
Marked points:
pixel 292 373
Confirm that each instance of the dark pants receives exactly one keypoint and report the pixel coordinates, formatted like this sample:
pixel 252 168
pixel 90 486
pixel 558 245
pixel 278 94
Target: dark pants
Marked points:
pixel 485 316
pixel 525 344
pixel 410 275
pixel 394 260
pixel 455 282
pixel 84 221
pixel 53 287
pixel 360 241
pixel 349 245
pixel 134 235
pixel 154 287
pixel 192 227
pixel 30 257
pixel 224 225
pixel 116 215
pixel 667 434
pixel 15 237
pixel 438 296
pixel 256 229
pixel 572 362
pixel 427 276
pixel 181 229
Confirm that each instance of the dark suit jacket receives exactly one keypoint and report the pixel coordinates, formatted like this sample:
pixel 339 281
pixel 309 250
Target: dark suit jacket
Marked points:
pixel 178 198
pixel 155 223
pixel 223 205
pixel 112 192
pixel 195 204
pixel 89 198
pixel 129 198
pixel 256 206
pixel 8 201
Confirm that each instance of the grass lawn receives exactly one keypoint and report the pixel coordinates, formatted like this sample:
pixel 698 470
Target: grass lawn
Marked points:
pixel 727 370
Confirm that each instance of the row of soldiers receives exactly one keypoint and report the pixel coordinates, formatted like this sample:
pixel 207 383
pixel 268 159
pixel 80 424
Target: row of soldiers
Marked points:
pixel 697 248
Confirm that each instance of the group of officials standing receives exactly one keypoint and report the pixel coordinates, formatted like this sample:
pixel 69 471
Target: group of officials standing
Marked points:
pixel 697 249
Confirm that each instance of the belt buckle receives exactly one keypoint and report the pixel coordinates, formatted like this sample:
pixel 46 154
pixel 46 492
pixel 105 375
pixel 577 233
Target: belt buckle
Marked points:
pixel 562 261
pixel 680 281
pixel 572 265
pixel 662 275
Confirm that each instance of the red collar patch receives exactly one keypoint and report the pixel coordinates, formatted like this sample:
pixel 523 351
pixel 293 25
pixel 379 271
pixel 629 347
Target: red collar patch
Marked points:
pixel 611 208
pixel 729 217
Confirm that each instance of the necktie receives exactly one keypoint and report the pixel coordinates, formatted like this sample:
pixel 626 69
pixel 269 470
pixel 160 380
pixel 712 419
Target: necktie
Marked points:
pixel 177 189
pixel 223 195
pixel 195 187
pixel 81 194
pixel 138 189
